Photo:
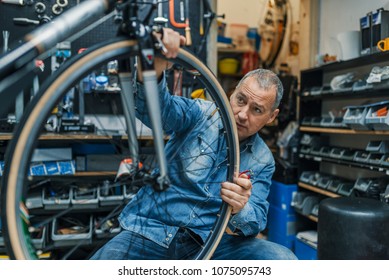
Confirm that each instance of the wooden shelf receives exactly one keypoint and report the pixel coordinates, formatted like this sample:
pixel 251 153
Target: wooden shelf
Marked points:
pixel 318 190
pixel 350 163
pixel 95 173
pixel 313 218
pixel 342 131
pixel 232 50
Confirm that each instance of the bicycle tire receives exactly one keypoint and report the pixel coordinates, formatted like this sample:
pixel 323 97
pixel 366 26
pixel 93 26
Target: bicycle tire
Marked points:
pixel 16 180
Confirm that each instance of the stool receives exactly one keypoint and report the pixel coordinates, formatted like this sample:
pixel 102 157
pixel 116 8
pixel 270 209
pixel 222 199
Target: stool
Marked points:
pixel 352 228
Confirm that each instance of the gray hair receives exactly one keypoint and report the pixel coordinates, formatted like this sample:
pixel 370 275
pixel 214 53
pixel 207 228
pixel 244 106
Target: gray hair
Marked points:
pixel 266 80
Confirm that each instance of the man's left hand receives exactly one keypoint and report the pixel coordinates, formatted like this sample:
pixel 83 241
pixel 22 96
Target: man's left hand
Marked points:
pixel 237 194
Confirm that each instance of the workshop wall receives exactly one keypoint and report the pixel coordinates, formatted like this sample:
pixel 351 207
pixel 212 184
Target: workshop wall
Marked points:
pixel 18 20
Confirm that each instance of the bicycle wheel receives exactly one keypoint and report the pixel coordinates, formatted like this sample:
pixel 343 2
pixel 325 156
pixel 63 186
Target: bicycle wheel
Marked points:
pixel 62 209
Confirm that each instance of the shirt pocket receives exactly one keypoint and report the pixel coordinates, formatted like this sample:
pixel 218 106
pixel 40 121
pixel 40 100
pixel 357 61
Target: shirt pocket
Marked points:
pixel 198 159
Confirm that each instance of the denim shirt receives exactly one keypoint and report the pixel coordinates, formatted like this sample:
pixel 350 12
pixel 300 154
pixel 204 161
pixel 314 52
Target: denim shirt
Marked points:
pixel 195 129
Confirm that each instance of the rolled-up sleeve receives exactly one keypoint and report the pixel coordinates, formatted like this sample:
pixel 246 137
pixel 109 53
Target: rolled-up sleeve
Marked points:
pixel 252 219
pixel 178 113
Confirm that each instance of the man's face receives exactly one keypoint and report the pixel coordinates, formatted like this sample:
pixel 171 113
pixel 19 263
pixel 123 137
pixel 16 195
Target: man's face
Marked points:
pixel 252 107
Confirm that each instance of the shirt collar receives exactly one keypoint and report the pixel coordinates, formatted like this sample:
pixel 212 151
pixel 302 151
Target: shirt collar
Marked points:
pixel 248 143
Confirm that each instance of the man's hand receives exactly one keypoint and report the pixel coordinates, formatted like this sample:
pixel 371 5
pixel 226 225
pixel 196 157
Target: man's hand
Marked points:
pixel 237 194
pixel 172 40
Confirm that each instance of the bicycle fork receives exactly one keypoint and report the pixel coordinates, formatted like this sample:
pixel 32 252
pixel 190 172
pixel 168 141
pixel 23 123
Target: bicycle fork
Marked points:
pixel 153 106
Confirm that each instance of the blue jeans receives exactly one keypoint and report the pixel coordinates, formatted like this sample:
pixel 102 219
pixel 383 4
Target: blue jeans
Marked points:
pixel 131 246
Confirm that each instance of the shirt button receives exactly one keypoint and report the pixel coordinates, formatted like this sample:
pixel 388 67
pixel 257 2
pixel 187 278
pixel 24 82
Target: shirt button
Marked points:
pixel 167 238
pixel 193 216
pixel 234 222
pixel 170 235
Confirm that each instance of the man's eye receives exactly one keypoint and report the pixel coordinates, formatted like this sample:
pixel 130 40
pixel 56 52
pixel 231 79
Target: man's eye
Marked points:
pixel 257 110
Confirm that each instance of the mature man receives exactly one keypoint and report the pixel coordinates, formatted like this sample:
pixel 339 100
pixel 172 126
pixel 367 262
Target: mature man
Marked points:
pixel 178 232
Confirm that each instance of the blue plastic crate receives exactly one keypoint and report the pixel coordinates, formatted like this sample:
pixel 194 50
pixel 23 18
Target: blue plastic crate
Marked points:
pixel 304 251
pixel 281 226
pixel 280 195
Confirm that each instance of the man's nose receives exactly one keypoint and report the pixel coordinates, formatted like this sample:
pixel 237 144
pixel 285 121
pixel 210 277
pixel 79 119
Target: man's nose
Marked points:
pixel 243 113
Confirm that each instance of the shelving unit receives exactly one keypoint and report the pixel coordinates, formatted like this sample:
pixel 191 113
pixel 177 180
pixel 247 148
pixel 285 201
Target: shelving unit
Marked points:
pixel 89 204
pixel 245 56
pixel 229 81
pixel 338 151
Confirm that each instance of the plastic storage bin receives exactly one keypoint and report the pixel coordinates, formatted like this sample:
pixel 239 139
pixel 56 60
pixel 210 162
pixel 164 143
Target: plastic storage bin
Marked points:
pixel 385 160
pixel 380 147
pixel 348 155
pixel 362 156
pixel 346 188
pixel 325 151
pixel 327 121
pixel 334 185
pixel 376 159
pixel 306 121
pixel 305 150
pixel 314 179
pixel 106 228
pixel 303 202
pixel 316 121
pixel 377 116
pixel 76 232
pixel 56 198
pixel 316 151
pixel 336 152
pixel 84 198
pixel 355 117
pixel 110 194
pixel 324 181
pixel 306 176
pixel 39 238
pixel 363 184
pixel 315 210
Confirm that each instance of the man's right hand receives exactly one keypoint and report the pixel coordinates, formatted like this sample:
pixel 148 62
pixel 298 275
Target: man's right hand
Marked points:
pixel 172 41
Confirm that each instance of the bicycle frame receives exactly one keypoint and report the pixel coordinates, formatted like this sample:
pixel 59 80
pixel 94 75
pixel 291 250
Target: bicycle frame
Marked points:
pixel 19 63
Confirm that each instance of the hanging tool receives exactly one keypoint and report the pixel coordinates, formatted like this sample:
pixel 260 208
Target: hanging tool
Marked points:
pixel 187 28
pixel 5 40
pixel 172 18
pixel 15 2
pixel 178 24
pixel 25 21
pixel 201 20
pixel 160 19
pixel 182 10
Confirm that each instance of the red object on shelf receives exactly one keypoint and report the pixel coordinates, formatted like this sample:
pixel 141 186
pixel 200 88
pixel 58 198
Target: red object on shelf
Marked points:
pixel 249 61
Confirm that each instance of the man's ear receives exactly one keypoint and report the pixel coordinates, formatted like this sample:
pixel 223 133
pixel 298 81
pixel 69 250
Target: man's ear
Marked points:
pixel 273 116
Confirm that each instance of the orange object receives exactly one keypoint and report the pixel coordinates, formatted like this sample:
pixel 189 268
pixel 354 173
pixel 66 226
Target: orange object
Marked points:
pixel 382 112
pixel 171 16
